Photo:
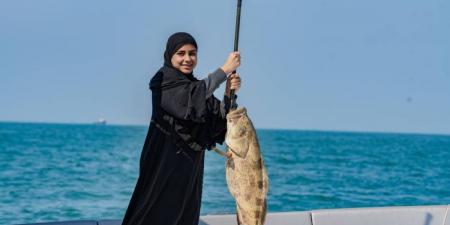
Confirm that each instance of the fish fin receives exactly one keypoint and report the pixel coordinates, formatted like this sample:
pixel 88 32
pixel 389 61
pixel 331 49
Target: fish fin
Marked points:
pixel 237 218
pixel 243 148
pixel 264 212
pixel 265 176
pixel 220 152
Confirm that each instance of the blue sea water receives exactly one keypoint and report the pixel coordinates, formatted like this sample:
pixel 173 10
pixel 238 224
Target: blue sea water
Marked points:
pixel 55 172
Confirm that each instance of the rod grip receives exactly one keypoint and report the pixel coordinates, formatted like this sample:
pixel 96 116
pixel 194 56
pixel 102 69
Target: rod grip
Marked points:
pixel 232 97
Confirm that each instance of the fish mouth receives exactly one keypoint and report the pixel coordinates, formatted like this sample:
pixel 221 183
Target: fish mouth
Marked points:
pixel 237 113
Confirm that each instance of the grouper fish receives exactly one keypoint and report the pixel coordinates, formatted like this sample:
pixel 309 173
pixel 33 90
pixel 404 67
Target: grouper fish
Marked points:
pixel 246 174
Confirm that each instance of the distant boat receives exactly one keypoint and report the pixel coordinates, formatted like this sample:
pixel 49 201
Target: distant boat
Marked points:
pixel 100 121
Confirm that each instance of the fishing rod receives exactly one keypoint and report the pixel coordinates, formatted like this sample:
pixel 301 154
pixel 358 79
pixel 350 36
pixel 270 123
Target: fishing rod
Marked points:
pixel 236 44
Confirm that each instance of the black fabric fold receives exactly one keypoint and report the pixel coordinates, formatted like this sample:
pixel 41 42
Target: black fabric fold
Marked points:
pixel 181 107
pixel 180 95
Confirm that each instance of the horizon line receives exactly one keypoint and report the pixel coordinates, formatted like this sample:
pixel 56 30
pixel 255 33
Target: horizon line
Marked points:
pixel 259 128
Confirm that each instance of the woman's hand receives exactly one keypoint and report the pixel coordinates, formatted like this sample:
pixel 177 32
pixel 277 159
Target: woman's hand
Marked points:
pixel 232 63
pixel 233 83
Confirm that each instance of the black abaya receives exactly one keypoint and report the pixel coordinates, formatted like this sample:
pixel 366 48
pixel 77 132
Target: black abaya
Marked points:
pixel 184 124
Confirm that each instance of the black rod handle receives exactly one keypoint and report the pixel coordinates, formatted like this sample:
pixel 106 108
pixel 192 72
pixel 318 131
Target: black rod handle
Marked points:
pixel 236 47
pixel 238 25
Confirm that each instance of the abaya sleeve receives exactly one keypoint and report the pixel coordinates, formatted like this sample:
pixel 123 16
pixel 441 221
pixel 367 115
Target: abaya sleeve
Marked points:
pixel 217 122
pixel 200 119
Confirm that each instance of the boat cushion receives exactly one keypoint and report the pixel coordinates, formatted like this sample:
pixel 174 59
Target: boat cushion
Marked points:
pixel 284 218
pixel 412 215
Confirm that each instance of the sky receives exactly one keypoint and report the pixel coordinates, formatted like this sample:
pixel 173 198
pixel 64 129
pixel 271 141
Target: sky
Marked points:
pixel 349 65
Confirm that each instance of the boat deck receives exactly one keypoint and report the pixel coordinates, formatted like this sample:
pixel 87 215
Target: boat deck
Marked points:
pixel 405 215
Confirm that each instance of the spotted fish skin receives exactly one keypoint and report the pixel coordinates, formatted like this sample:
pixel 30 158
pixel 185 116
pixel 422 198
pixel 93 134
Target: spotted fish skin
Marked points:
pixel 246 174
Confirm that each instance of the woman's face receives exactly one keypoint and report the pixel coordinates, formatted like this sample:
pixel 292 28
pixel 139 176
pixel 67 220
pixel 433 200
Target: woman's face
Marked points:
pixel 185 59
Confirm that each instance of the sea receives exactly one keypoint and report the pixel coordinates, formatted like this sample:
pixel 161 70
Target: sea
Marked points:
pixel 58 172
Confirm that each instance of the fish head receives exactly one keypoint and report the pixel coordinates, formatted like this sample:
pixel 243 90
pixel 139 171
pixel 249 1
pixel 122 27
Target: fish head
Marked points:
pixel 239 129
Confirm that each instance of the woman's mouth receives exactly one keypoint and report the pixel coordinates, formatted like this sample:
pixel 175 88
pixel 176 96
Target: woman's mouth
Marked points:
pixel 188 67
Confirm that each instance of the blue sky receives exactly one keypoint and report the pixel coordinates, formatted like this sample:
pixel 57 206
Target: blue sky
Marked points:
pixel 352 65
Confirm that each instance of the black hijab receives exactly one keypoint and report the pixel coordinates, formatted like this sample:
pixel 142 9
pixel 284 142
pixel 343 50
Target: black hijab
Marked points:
pixel 175 42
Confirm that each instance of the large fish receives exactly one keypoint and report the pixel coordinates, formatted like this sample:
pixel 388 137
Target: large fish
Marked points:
pixel 245 171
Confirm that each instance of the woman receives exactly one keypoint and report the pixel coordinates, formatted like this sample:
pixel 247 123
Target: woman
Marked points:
pixel 186 120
